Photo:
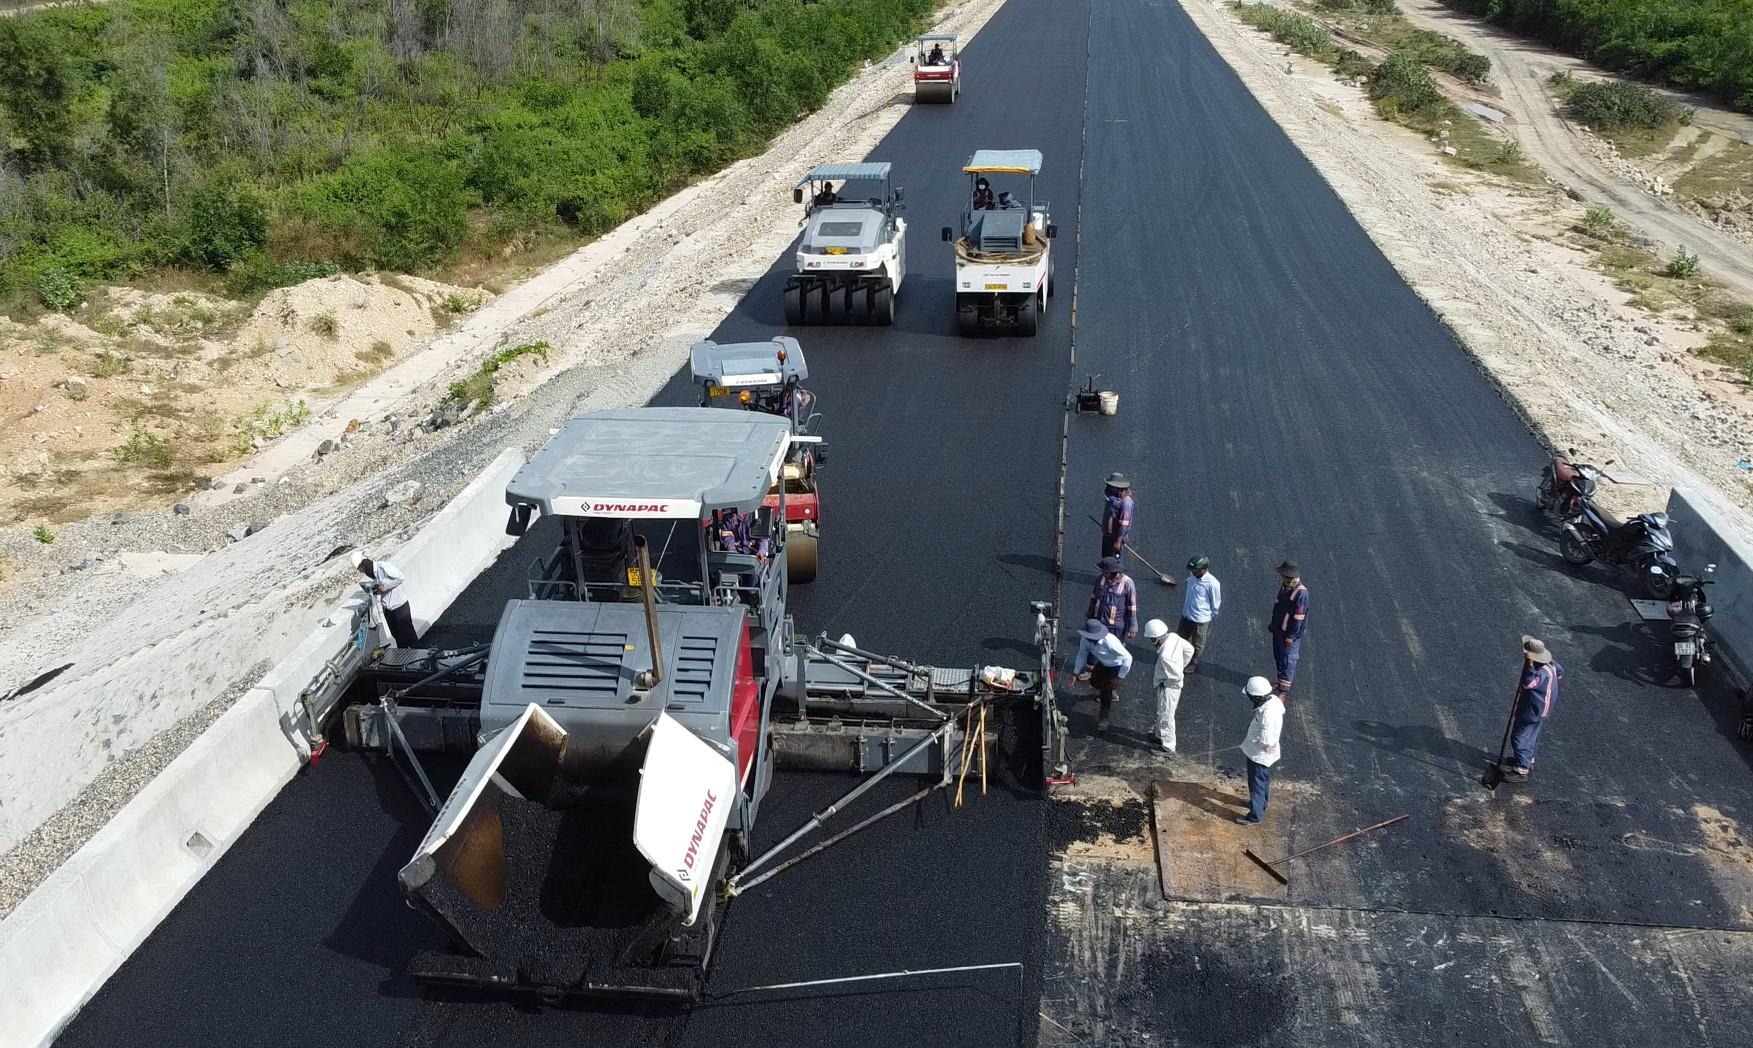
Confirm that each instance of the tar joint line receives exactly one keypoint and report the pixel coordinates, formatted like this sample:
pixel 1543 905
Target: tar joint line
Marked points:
pixel 874 977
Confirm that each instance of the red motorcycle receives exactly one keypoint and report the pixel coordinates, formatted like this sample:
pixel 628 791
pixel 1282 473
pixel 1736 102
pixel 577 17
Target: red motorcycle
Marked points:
pixel 1565 483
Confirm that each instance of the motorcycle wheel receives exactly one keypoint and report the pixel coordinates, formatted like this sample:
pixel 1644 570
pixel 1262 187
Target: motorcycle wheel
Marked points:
pixel 1574 552
pixel 1688 672
pixel 1657 586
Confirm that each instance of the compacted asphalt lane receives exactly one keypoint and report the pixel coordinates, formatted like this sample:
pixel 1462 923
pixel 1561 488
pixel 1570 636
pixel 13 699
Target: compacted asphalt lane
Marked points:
pixel 1282 394
pixel 938 531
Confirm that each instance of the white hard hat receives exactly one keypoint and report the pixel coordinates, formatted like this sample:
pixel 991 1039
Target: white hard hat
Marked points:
pixel 1155 629
pixel 356 557
pixel 1257 687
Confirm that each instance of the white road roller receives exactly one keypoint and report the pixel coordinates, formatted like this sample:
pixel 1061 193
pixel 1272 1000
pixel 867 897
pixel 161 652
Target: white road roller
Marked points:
pixel 853 253
pixel 1004 255
pixel 937 68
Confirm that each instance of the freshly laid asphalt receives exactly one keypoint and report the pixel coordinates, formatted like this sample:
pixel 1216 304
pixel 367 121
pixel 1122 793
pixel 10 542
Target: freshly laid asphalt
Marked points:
pixel 1282 394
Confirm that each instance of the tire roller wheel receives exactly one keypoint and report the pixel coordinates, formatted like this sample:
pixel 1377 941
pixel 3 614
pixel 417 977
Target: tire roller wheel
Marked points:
pixel 882 305
pixel 1027 319
pixel 800 558
pixel 793 304
pixel 812 304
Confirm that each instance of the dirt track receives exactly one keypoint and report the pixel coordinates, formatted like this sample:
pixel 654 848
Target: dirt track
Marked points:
pixel 1520 68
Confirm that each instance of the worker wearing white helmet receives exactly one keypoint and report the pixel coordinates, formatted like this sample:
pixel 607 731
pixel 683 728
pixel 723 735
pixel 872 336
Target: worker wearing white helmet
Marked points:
pixel 1260 746
pixel 1172 653
pixel 386 581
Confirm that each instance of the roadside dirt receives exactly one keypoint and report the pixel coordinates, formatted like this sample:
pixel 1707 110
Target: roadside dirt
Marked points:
pixel 140 395
pixel 1595 356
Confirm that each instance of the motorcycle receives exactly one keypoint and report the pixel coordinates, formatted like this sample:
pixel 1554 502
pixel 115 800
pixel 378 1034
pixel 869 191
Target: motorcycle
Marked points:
pixel 1642 544
pixel 1688 611
pixel 1564 483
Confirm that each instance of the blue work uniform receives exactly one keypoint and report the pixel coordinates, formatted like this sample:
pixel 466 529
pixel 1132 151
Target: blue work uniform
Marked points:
pixel 1116 524
pixel 1290 617
pixel 1533 705
pixel 1115 604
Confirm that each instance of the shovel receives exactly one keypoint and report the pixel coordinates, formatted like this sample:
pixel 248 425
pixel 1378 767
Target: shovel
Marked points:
pixel 1493 776
pixel 1160 576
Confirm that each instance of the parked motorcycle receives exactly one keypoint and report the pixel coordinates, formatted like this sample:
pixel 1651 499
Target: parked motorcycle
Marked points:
pixel 1642 544
pixel 1688 611
pixel 1564 483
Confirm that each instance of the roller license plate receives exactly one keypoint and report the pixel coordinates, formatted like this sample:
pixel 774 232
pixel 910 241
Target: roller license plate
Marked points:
pixel 996 287
pixel 1685 647
pixel 633 578
pixel 835 250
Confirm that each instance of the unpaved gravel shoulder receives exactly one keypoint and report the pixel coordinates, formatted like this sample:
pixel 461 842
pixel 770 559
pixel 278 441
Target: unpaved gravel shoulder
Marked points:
pixel 1582 370
pixel 618 333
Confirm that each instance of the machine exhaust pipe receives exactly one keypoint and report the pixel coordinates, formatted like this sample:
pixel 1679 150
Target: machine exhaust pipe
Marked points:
pixel 649 678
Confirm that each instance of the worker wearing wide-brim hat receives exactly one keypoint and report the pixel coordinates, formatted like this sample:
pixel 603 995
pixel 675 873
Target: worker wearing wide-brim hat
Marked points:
pixel 1541 675
pixel 1114 600
pixel 1117 507
pixel 1290 618
pixel 1103 661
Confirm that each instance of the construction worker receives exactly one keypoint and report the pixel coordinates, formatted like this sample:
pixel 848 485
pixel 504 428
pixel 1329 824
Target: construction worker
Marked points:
pixel 936 56
pixel 1116 515
pixel 827 195
pixel 1200 607
pixel 1540 679
pixel 982 194
pixel 734 531
pixel 1290 617
pixel 1114 601
pixel 385 582
pixel 1172 653
pixel 1104 662
pixel 1260 745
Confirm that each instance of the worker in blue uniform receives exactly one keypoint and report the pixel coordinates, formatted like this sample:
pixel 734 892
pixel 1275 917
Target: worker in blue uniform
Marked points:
pixel 1114 601
pixel 1116 515
pixel 1539 692
pixel 1290 618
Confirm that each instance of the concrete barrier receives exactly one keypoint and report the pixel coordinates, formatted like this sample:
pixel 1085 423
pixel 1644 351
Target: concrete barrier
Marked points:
pixel 1702 536
pixel 60 945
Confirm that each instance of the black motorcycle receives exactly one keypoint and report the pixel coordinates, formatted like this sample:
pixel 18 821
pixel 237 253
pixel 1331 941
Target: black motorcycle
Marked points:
pixel 1642 545
pixel 1688 611
pixel 1565 483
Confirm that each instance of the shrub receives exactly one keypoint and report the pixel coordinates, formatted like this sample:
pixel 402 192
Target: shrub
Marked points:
pixel 42 534
pixel 58 289
pixel 1683 266
pixel 1598 221
pixel 1381 7
pixel 325 325
pixel 411 208
pixel 1351 65
pixel 1508 154
pixel 257 273
pixel 1613 105
pixel 225 221
pixel 1402 86
pixel 479 387
pixel 1300 33
pixel 143 448
pixel 109 364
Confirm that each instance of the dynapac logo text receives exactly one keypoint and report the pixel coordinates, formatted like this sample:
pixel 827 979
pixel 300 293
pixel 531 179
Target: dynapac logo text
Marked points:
pixel 629 507
pixel 692 855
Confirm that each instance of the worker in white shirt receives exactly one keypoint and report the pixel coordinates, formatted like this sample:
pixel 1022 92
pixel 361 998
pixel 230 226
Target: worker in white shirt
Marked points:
pixel 1261 745
pixel 1102 659
pixel 1172 653
pixel 1203 601
pixel 386 581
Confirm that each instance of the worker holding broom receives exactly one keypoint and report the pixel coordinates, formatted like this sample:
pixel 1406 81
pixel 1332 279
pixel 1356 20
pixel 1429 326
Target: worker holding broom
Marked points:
pixel 1114 601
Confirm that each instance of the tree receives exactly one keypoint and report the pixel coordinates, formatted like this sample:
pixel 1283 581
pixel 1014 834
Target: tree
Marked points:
pixel 37 88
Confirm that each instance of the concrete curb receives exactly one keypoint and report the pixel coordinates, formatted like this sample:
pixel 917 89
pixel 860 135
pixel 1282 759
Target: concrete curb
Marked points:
pixel 60 945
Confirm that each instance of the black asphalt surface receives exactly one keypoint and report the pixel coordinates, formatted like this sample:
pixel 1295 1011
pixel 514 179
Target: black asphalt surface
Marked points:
pixel 1282 394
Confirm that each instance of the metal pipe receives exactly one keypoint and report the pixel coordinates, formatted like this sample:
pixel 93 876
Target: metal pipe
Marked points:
pixel 656 671
pixel 872 681
pixel 825 814
pixel 887 660
pixel 738 888
pixel 475 653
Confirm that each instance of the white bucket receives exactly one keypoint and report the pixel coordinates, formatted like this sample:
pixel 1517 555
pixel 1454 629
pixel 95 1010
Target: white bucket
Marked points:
pixel 1109 401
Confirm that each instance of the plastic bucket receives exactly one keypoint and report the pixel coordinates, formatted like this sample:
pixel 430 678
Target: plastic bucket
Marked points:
pixel 1109 402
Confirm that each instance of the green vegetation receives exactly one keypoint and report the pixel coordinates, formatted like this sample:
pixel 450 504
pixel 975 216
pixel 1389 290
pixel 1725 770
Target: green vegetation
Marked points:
pixel 266 422
pixel 1401 87
pixel 478 388
pixel 1701 44
pixel 1598 222
pixel 143 448
pixel 1683 266
pixel 270 141
pixel 1614 105
pixel 1300 33
pixel 42 534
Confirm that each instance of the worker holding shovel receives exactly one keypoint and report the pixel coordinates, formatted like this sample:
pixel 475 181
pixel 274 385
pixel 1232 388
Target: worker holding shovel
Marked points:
pixel 1534 700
